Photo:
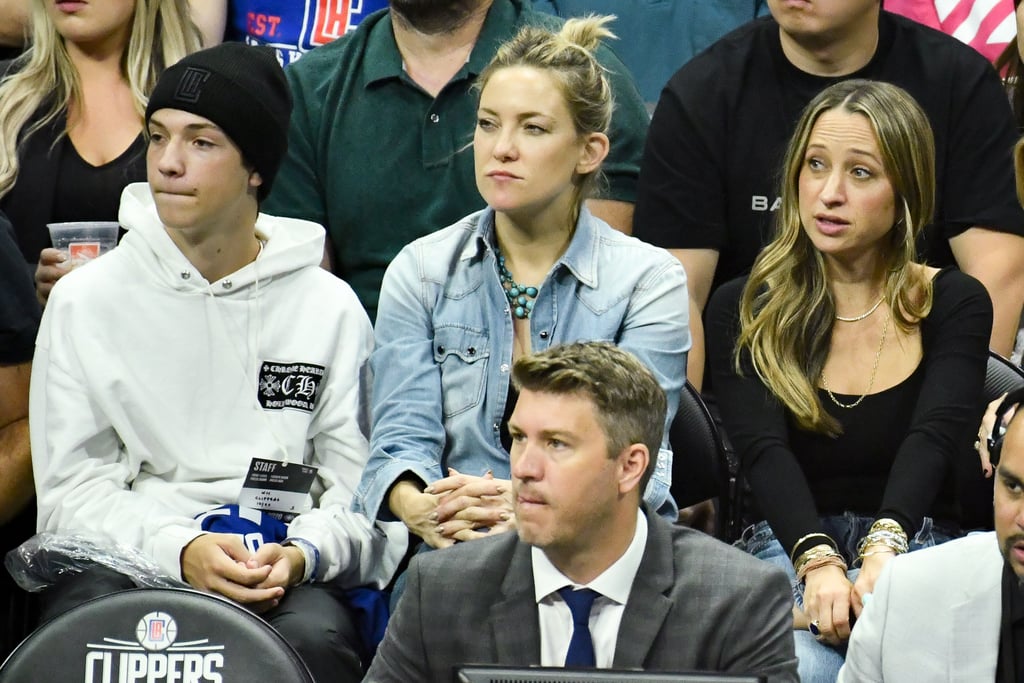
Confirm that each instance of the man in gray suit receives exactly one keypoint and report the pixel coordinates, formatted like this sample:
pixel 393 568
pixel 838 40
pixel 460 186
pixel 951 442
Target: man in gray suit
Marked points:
pixel 663 597
pixel 954 612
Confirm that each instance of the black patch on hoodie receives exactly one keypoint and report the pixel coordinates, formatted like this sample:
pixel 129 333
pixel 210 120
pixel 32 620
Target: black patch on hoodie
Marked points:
pixel 290 385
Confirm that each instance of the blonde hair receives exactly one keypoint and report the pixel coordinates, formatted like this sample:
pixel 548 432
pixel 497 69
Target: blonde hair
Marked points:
pixel 44 79
pixel 569 57
pixel 786 310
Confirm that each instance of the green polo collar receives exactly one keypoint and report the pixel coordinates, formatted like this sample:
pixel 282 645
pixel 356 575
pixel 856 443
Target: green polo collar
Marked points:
pixel 382 60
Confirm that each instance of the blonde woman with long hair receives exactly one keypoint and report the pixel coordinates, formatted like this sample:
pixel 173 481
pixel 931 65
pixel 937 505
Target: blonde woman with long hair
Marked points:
pixel 850 376
pixel 532 270
pixel 71 112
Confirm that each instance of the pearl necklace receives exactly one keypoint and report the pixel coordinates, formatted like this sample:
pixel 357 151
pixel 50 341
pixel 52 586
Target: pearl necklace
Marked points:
pixel 874 369
pixel 520 297
pixel 863 315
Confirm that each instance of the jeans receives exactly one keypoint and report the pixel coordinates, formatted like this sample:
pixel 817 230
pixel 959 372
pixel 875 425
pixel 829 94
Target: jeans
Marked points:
pixel 820 662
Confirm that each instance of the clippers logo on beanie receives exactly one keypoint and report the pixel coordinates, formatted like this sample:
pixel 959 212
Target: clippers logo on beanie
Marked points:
pixel 190 87
pixel 240 88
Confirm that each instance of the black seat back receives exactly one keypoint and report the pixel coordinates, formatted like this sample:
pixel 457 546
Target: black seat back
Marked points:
pixel 699 467
pixel 156 634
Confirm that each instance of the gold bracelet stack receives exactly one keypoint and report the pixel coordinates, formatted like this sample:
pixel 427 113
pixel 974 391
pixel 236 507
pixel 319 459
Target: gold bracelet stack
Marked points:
pixel 886 533
pixel 823 555
pixel 826 537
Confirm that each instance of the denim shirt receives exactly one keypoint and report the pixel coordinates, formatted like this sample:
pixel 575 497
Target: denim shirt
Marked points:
pixel 443 354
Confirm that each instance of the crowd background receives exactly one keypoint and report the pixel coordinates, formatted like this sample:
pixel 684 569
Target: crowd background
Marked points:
pixel 72 107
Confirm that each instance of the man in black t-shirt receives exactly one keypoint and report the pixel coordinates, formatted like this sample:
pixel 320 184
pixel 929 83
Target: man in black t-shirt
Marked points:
pixel 708 184
pixel 19 321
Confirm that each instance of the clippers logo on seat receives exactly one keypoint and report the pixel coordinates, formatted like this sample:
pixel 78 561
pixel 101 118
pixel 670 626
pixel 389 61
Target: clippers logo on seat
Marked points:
pixel 157 656
pixel 156 631
pixel 290 385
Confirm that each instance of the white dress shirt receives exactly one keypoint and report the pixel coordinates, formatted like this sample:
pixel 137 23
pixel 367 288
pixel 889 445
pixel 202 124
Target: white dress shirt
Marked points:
pixel 613 585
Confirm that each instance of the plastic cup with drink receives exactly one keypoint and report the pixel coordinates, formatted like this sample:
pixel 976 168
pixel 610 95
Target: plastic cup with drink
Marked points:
pixel 83 241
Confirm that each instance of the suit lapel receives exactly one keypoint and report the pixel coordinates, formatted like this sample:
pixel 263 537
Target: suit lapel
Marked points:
pixel 974 644
pixel 515 627
pixel 648 604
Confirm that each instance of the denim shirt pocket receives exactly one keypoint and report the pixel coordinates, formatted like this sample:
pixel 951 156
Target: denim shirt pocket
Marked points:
pixel 461 353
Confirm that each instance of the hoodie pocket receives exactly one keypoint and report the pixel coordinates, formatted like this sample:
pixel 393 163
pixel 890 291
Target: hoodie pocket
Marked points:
pixel 461 353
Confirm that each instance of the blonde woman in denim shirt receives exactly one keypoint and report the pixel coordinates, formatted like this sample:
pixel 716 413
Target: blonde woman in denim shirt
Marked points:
pixel 532 270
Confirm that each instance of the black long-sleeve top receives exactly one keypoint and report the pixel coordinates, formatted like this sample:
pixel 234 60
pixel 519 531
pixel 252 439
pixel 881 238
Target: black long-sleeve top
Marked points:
pixel 896 457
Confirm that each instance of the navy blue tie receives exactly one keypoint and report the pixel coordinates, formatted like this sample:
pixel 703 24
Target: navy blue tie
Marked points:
pixel 581 646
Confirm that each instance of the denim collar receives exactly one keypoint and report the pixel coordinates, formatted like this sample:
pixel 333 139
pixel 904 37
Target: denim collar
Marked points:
pixel 581 258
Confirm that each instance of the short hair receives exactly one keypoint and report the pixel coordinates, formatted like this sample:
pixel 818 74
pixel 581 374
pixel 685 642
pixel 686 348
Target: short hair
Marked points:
pixel 568 56
pixel 999 430
pixel 631 405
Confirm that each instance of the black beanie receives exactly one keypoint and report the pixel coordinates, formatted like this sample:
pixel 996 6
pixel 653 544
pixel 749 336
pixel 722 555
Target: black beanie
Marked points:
pixel 242 89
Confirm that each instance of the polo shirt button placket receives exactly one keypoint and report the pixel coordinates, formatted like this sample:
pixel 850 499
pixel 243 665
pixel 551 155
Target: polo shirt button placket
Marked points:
pixel 434 118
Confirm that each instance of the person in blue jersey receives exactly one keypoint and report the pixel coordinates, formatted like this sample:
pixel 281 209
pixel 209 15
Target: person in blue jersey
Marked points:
pixel 294 28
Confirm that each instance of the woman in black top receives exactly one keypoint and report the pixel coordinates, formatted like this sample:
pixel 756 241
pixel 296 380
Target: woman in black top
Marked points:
pixel 849 376
pixel 71 113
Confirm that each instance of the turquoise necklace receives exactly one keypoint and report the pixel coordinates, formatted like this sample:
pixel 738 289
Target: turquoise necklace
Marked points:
pixel 520 297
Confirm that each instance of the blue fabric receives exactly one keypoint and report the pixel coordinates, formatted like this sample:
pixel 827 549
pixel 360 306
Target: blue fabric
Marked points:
pixel 581 645
pixel 370 610
pixel 656 37
pixel 295 27
pixel 819 662
pixel 444 346
pixel 255 527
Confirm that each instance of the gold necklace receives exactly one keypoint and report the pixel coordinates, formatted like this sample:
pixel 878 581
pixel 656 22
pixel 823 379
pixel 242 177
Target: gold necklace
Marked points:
pixel 874 370
pixel 860 317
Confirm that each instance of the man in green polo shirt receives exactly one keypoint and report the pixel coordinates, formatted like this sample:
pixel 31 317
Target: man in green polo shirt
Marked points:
pixel 378 145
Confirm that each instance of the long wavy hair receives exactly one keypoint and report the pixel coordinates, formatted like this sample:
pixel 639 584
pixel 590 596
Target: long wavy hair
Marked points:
pixel 569 56
pixel 43 80
pixel 787 310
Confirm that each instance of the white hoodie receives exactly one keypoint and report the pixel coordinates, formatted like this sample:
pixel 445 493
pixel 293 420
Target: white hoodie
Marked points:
pixel 145 396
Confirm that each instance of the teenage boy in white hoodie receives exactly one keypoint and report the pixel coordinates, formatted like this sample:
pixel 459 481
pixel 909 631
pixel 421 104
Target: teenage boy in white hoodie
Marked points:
pixel 207 349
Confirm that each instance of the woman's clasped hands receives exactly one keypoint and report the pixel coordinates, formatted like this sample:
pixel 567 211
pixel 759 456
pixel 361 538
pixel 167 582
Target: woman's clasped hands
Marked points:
pixel 470 507
pixel 459 507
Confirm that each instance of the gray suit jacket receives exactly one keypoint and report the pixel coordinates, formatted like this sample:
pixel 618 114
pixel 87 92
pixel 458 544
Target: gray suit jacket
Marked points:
pixel 934 616
pixel 696 604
